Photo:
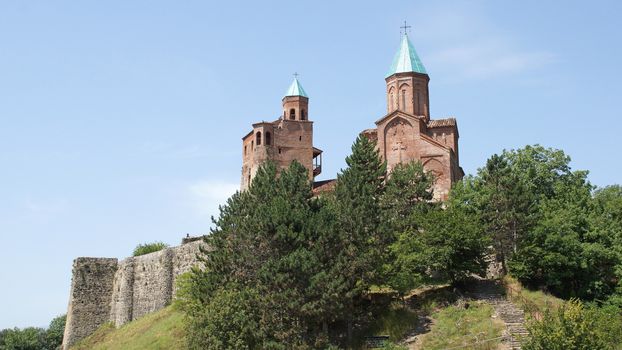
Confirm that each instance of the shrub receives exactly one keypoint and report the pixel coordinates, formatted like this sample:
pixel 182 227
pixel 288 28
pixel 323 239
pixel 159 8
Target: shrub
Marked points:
pixel 147 248
pixel 229 320
pixel 575 326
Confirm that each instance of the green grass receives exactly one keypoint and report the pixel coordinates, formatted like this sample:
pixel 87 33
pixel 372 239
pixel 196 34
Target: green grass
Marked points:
pixel 534 302
pixel 160 330
pixel 459 327
pixel 398 321
pixel 395 322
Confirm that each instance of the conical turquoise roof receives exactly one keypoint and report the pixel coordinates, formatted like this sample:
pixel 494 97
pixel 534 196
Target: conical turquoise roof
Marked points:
pixel 406 59
pixel 296 89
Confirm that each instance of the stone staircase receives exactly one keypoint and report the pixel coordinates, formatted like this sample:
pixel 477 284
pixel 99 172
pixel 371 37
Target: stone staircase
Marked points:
pixel 514 318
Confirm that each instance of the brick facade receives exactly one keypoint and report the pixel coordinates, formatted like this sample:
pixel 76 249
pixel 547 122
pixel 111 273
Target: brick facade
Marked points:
pixel 405 134
pixel 282 141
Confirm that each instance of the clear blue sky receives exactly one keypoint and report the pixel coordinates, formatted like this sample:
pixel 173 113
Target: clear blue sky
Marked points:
pixel 121 121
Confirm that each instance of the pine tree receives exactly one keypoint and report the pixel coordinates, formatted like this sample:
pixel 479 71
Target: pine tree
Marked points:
pixel 404 203
pixel 357 242
pixel 263 247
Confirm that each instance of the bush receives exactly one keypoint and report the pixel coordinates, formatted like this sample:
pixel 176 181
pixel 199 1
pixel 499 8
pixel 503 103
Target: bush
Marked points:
pixel 575 326
pixel 229 320
pixel 147 248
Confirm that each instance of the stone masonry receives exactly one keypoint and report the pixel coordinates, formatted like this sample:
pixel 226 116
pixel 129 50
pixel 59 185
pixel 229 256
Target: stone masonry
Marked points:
pixel 106 290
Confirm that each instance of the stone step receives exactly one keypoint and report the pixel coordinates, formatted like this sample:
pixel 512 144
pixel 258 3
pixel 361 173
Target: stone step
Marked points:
pixel 513 317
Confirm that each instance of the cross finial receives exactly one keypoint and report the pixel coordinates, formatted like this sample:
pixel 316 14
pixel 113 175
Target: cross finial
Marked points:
pixel 295 75
pixel 405 27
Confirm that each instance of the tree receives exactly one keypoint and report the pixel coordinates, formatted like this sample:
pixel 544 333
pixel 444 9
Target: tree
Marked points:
pixel 264 245
pixel 571 249
pixel 55 332
pixel 606 229
pixel 30 338
pixel 404 204
pixel 358 241
pixel 505 206
pixel 407 195
pixel 454 244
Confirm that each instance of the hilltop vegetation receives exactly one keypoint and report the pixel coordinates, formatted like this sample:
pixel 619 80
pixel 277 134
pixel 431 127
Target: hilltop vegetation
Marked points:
pixel 34 338
pixel 287 270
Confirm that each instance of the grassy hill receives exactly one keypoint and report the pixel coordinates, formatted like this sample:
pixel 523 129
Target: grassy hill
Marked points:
pixel 159 330
pixel 439 321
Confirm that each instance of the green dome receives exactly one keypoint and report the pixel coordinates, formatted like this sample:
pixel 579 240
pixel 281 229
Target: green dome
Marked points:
pixel 406 60
pixel 296 89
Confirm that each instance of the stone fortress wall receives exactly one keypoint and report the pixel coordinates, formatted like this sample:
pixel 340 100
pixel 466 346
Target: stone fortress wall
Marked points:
pixel 107 290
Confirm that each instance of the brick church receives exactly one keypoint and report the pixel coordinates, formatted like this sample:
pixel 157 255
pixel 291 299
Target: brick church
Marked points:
pixel 406 133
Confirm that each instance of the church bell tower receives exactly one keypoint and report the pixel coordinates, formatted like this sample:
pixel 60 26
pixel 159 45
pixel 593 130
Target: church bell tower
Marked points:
pixel 296 102
pixel 407 83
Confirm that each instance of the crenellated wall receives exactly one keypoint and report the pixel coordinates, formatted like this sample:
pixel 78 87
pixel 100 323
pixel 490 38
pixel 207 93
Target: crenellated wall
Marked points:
pixel 104 289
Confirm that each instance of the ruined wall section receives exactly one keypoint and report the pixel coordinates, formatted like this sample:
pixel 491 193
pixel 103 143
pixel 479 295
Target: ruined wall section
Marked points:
pixel 153 282
pixel 121 307
pixel 184 258
pixel 90 297
pixel 105 290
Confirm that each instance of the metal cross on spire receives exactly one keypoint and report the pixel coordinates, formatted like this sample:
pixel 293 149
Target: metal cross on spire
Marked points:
pixel 295 75
pixel 405 27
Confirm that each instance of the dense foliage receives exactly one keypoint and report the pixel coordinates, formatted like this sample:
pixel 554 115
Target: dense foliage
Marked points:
pixel 427 242
pixel 286 270
pixel 549 228
pixel 33 338
pixel 576 326
pixel 147 248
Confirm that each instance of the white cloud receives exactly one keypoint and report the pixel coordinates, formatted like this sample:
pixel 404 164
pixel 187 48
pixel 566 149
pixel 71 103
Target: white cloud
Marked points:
pixel 207 195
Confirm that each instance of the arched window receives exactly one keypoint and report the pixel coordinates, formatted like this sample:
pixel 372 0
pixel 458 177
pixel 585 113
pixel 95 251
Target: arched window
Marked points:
pixel 252 145
pixel 244 149
pixel 292 114
pixel 268 138
pixel 258 138
pixel 391 102
pixel 303 116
